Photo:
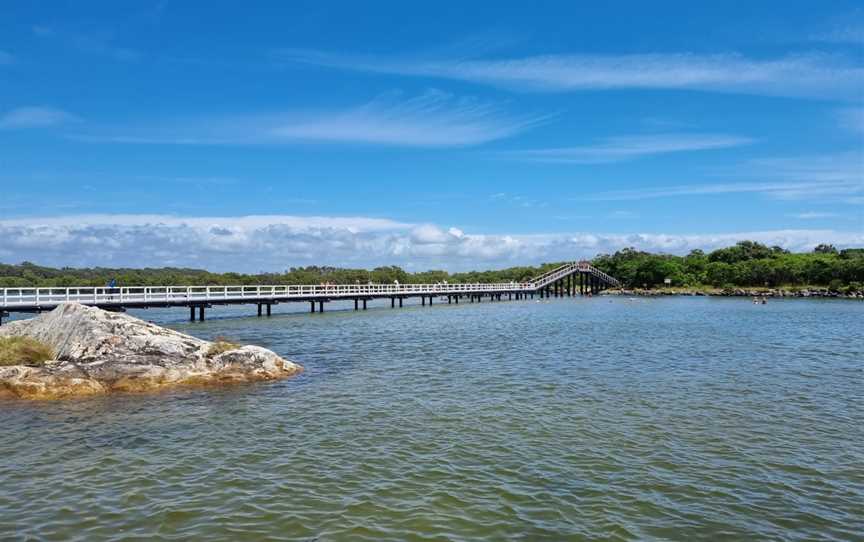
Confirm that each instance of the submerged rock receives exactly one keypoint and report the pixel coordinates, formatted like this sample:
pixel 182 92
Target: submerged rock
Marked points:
pixel 99 352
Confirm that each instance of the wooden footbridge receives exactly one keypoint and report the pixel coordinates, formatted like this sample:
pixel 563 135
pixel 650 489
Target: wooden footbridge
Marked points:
pixel 569 279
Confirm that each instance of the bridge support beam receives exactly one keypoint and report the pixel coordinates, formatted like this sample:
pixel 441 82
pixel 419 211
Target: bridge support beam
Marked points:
pixel 423 300
pixel 364 304
pixel 268 309
pixel 259 310
pixel 400 302
pixel 356 302
pixel 192 314
pixel 392 302
pixel 320 306
pixel 201 313
pixel 312 303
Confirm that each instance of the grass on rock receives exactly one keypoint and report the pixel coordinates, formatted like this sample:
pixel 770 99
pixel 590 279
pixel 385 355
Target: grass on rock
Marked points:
pixel 221 345
pixel 24 351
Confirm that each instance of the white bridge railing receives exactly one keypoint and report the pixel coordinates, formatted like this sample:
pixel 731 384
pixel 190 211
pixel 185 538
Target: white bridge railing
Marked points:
pixel 10 298
pixel 144 295
pixel 569 269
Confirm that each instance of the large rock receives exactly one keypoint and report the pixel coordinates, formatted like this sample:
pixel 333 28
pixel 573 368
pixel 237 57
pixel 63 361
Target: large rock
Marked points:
pixel 100 352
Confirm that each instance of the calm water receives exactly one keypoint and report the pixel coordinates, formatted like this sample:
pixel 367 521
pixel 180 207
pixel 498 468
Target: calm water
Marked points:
pixel 567 420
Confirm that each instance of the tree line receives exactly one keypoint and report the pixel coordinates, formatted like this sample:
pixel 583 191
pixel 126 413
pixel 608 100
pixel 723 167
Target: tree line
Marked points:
pixel 746 264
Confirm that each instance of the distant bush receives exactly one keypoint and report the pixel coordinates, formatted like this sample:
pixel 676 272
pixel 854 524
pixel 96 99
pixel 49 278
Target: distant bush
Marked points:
pixel 24 351
pixel 746 264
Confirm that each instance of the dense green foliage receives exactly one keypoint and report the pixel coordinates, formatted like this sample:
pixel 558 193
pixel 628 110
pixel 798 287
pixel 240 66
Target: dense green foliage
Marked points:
pixel 744 264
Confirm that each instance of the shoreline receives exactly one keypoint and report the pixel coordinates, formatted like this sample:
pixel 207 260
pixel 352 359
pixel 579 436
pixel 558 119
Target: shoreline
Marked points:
pixel 811 292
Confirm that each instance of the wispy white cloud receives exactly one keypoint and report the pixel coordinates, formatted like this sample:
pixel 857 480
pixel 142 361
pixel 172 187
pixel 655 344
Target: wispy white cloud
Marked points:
pixel 433 119
pixel 815 75
pixel 34 117
pixel 623 215
pixel 518 200
pixel 852 118
pixel 847 28
pixel 813 215
pixel 851 33
pixel 42 31
pixel 6 58
pixel 276 242
pixel 90 39
pixel 836 177
pixel 623 148
pixel 780 190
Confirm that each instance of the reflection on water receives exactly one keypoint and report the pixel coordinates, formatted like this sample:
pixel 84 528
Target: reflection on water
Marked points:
pixel 568 419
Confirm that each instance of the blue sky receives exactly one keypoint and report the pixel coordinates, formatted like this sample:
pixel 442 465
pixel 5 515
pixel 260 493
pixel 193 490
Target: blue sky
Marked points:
pixel 260 136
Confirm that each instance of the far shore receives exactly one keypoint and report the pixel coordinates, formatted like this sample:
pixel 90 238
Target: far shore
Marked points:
pixel 793 292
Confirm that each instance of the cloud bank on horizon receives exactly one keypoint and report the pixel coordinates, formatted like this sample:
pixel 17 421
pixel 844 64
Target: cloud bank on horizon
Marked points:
pixel 275 243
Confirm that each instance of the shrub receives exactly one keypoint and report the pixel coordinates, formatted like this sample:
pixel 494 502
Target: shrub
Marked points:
pixel 221 345
pixel 24 351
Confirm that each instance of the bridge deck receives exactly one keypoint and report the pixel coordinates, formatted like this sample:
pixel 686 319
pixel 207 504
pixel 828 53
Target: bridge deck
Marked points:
pixel 41 299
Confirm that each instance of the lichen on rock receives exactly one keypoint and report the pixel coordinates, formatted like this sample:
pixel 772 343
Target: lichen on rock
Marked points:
pixel 100 352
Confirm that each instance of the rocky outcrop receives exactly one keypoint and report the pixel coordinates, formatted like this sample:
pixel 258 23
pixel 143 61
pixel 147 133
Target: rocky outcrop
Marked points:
pixel 100 352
